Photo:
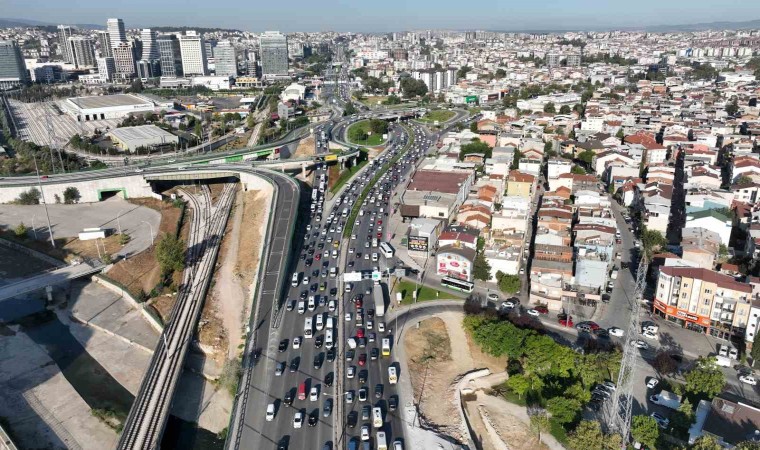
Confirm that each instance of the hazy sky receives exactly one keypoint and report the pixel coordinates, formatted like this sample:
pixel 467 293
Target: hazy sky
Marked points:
pixel 387 15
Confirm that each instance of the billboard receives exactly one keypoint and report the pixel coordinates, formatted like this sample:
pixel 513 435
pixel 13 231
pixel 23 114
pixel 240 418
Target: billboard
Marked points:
pixel 332 157
pixel 471 99
pixel 454 265
pixel 417 243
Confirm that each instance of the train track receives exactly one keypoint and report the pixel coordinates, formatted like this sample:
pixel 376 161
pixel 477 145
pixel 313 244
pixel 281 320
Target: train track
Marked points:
pixel 147 417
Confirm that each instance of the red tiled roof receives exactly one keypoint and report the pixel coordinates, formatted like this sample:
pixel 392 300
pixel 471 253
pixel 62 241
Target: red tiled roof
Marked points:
pixel 710 276
pixel 437 181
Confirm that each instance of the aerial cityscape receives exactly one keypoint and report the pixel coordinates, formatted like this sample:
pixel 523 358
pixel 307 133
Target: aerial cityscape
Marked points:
pixel 542 233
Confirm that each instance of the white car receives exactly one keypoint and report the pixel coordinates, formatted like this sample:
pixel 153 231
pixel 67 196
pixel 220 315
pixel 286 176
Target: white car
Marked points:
pixel 314 394
pixel 298 420
pixel 615 331
pixel 348 317
pixel 493 297
pixel 270 412
pixel 365 432
pixel 748 379
pixel 640 344
pixel 351 372
pixel 652 383
pixel 297 342
pixel 331 305
pixel 381 327
pixel 649 335
pixel 533 312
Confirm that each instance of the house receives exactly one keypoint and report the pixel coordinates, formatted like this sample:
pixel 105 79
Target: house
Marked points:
pixel 732 422
pixel 711 219
pixel 700 246
pixel 520 184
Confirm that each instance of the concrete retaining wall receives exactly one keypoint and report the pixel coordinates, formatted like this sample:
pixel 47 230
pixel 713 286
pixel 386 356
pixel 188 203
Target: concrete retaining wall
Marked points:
pixel 31 252
pixel 463 384
pixel 89 190
pixel 115 288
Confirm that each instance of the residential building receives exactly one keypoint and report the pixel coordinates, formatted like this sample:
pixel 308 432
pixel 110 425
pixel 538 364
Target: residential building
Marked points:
pixel 64 33
pixel 455 261
pixel 124 58
pixel 520 184
pixel 104 42
pixel 116 32
pixel 170 56
pixel 106 68
pixel 193 50
pixel 81 52
pixel 12 66
pixel 273 49
pixel 711 219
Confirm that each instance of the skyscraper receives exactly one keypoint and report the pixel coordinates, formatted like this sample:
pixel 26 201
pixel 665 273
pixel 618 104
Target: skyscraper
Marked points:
pixel 149 50
pixel 104 40
pixel 116 32
pixel 64 33
pixel 81 51
pixel 12 66
pixel 106 68
pixel 124 57
pixel 171 55
pixel 225 56
pixel 193 50
pixel 273 48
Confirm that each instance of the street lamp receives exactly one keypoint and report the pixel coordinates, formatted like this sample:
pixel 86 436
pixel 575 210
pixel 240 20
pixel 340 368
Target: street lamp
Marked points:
pixel 118 222
pixel 151 231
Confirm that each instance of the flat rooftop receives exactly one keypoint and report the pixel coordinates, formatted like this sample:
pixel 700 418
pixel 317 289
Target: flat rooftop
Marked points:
pixel 107 101
pixel 139 132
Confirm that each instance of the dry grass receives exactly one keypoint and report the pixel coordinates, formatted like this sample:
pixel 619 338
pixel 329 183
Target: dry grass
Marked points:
pixel 254 206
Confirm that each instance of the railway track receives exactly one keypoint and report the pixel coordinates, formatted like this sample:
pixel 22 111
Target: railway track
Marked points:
pixel 149 412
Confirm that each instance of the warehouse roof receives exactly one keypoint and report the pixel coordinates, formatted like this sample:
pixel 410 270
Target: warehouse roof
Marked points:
pixel 139 132
pixel 107 101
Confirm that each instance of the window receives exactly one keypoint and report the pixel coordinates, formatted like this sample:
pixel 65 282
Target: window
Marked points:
pixel 707 302
pixel 708 291
pixel 686 285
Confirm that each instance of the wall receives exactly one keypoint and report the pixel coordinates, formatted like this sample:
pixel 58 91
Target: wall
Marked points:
pixel 131 186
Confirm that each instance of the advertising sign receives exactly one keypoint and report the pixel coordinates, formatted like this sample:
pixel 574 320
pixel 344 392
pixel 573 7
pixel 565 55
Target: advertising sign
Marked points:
pixel 471 99
pixel 332 157
pixel 418 243
pixel 453 265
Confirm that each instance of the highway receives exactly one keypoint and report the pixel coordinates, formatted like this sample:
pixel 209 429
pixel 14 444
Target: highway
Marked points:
pixel 147 417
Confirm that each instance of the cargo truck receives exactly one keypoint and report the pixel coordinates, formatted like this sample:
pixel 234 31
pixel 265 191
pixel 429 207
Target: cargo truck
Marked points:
pixel 377 293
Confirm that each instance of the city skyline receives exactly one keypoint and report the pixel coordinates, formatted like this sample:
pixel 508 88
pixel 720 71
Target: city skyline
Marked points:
pixel 395 15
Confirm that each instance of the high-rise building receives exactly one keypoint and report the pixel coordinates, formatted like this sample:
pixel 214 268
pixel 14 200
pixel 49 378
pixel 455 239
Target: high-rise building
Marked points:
pixel 116 32
pixel 193 51
pixel 104 40
pixel 170 54
pixel 64 33
pixel 149 50
pixel 81 51
pixel 124 58
pixel 106 68
pixel 12 66
pixel 225 57
pixel 273 50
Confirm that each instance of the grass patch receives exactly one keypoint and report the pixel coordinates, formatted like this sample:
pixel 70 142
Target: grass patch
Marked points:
pixel 346 175
pixel 424 293
pixel 112 419
pixel 362 127
pixel 231 373
pixel 441 115
pixel 558 431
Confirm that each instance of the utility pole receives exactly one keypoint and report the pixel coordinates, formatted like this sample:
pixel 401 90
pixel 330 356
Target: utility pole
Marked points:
pixel 44 203
pixel 617 414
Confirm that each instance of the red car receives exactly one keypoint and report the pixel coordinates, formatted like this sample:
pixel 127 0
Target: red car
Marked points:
pixel 593 325
pixel 542 309
pixel 566 322
pixel 362 359
pixel 379 222
pixel 358 302
pixel 318 256
pixel 379 235
pixel 360 332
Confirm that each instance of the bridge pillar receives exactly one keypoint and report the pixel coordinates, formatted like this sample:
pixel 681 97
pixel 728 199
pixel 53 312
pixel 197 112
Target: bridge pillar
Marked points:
pixel 303 170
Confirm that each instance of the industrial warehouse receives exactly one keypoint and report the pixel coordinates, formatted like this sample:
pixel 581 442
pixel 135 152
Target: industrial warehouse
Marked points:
pixel 143 136
pixel 85 109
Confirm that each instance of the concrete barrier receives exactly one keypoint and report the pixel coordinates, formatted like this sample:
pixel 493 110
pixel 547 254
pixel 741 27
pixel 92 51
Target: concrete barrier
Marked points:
pixel 462 385
pixel 116 288
pixel 5 440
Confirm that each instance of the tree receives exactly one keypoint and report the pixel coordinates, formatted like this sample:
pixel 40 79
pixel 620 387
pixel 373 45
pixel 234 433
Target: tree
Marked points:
pixel 664 364
pixel 578 170
pixel 349 110
pixel 550 108
pixel 732 107
pixel 378 126
pixel 481 270
pixel 71 195
pixel 748 445
pixel 476 146
pixel 501 73
pixel 707 442
pixel 684 417
pixel 563 409
pixel 587 156
pixel 755 352
pixel 539 422
pixel 644 429
pixel 413 88
pixel 30 197
pixel 652 240
pixel 705 378
pixel 620 134
pixel 392 100
pixel 170 253
pixel 21 230
pixel 462 72
pixel 508 283
pixel 744 179
pixel 474 126
pixel 565 109
pixel 586 436
pixel 518 384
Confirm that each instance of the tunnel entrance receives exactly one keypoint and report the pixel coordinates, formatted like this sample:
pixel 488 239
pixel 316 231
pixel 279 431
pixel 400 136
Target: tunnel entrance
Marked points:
pixel 105 194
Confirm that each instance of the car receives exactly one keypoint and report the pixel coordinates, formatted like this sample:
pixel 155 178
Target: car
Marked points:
pixel 360 332
pixel 279 369
pixel 297 342
pixel 363 394
pixel 370 322
pixel 649 335
pixel 397 445
pixel 542 309
pixel 298 419
pixel 362 359
pixel 748 379
pixel 533 312
pixel 374 353
pixel 349 355
pixel 378 391
pixel 314 418
pixel 371 337
pixel 291 305
pixel 661 420
pixel 365 433
pixel 270 412
pixel 353 417
pixel 331 306
pixel 288 399
pixel 733 353
pixel 351 372
pixel 294 364
pixel 318 361
pixel 568 322
pixel 329 379
pixel 392 402
pixel 362 376
pixel 348 317
pixel 652 383
pixel 349 396
pixel 314 394
pixel 640 344
pixel 615 331
pixel 381 327
pixel 331 354
pixel 318 341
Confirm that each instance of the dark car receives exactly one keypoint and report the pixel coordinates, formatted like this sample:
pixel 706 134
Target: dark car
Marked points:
pixel 309 262
pixel 370 313
pixel 378 391
pixel 303 295
pixel 291 305
pixel 366 412
pixel 350 355
pixel 331 355
pixel 392 402
pixel 329 379
pixel 294 364
pixel 283 345
pixel 362 376
pixel 318 341
pixel 374 353
pixel 353 417
pixel 363 359
pixel 288 400
pixel 318 361
pixel 314 418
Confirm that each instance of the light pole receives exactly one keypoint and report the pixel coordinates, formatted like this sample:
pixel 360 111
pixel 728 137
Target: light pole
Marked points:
pixel 118 222
pixel 44 203
pixel 151 231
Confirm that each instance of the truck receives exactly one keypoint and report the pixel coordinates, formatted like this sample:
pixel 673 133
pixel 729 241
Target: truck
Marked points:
pixel 666 399
pixel 377 293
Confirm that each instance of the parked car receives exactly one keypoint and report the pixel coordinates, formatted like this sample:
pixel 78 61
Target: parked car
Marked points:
pixel 748 379
pixel 652 383
pixel 615 331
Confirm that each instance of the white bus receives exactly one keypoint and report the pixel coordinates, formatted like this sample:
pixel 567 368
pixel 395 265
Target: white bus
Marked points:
pixel 386 249
pixel 307 329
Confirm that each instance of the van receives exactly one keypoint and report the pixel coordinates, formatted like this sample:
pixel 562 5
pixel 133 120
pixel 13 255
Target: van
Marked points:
pixel 333 272
pixel 392 375
pixel 302 391
pixel 329 338
pixel 294 280
pixel 330 323
pixel 377 417
pixel 320 322
pixel 301 307
pixel 307 329
pixel 380 441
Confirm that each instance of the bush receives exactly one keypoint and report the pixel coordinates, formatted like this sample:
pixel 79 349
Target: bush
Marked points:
pixel 30 197
pixel 71 195
pixel 170 253
pixel 21 230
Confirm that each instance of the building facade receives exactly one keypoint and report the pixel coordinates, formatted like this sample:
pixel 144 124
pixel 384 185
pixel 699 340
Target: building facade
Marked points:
pixel 64 33
pixel 225 59
pixel 273 48
pixel 170 56
pixel 104 41
pixel 106 68
pixel 12 66
pixel 81 51
pixel 193 50
pixel 124 58
pixel 116 32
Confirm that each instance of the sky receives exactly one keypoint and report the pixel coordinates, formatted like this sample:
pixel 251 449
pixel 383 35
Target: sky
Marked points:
pixel 387 15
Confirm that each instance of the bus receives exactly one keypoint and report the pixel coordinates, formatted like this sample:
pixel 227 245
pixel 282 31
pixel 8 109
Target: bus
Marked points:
pixel 457 285
pixel 386 347
pixel 386 249
pixel 307 329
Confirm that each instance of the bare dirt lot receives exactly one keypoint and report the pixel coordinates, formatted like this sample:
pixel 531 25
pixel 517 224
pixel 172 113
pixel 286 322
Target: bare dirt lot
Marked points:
pixel 305 147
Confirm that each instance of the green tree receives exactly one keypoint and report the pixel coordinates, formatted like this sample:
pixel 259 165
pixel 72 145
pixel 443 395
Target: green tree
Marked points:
pixel 748 445
pixel 548 147
pixel 565 109
pixel 550 108
pixel 732 107
pixel 644 429
pixel 198 131
pixel 755 352
pixel 620 134
pixel 71 195
pixel 476 146
pixel 462 72
pixel 664 364
pixel 708 443
pixel 705 378
pixel 497 337
pixel 481 270
pixel 501 73
pixel 413 88
pixel 378 126
pixel 587 156
pixel 392 100
pixel 30 197
pixel 508 283
pixel 539 422
pixel 578 170
pixel 349 110
pixel 684 417
pixel 652 240
pixel 474 126
pixel 563 409
pixel 742 180
pixel 170 253
pixel 586 436
pixel 21 230
pixel 518 384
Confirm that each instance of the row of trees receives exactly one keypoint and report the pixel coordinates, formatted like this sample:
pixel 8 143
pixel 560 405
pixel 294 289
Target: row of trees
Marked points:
pixel 413 88
pixel 33 196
